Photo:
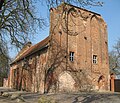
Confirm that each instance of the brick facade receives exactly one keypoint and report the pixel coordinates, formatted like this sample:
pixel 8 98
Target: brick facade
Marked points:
pixel 73 58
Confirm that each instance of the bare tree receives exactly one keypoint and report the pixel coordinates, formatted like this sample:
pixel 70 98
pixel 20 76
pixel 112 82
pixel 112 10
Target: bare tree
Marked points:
pixel 80 3
pixel 114 58
pixel 3 62
pixel 18 21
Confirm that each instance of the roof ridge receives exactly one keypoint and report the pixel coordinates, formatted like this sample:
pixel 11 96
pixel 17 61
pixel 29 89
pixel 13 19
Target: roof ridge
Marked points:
pixel 30 50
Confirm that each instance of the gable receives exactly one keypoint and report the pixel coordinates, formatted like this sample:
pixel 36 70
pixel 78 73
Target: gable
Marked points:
pixel 33 49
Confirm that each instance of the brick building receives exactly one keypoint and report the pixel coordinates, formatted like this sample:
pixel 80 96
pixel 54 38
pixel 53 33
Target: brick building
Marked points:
pixel 74 57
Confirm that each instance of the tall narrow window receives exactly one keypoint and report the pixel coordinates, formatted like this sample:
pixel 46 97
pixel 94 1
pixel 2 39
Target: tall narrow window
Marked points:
pixel 71 56
pixel 94 59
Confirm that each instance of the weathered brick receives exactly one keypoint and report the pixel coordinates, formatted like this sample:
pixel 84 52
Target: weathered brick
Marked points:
pixel 72 29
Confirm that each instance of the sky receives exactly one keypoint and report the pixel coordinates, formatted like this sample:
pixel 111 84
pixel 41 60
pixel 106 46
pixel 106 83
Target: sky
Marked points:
pixel 110 13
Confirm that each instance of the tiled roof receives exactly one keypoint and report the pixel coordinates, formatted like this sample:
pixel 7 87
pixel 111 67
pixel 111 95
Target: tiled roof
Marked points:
pixel 33 49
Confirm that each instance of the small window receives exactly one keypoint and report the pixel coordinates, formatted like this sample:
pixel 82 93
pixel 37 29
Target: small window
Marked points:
pixel 94 59
pixel 60 32
pixel 85 38
pixel 71 56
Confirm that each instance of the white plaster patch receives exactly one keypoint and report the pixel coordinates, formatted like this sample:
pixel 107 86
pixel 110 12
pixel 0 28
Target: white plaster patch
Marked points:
pixel 66 82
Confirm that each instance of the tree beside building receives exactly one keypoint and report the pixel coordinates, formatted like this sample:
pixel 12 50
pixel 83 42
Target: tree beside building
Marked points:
pixel 74 57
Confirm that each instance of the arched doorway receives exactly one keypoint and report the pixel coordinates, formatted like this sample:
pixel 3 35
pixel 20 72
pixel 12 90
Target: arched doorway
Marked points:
pixel 66 83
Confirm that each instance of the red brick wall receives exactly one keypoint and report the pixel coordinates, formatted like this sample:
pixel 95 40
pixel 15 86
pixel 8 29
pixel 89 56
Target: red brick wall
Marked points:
pixel 86 36
pixel 71 30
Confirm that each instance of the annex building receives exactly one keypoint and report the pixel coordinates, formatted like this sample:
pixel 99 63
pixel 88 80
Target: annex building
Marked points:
pixel 74 57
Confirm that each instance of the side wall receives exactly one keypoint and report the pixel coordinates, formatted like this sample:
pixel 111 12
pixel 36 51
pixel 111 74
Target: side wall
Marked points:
pixel 29 74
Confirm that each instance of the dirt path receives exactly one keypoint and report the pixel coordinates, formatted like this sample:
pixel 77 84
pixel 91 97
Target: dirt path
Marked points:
pixel 81 97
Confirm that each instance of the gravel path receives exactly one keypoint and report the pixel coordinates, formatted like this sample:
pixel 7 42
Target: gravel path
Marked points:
pixel 81 97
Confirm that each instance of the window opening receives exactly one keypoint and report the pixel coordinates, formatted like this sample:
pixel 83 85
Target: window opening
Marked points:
pixel 71 56
pixel 94 59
